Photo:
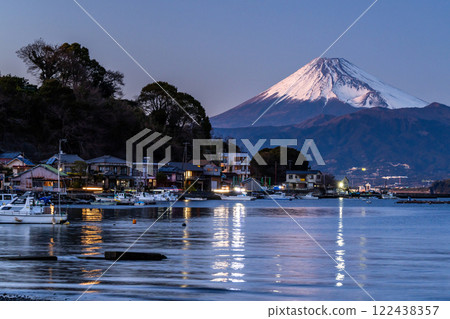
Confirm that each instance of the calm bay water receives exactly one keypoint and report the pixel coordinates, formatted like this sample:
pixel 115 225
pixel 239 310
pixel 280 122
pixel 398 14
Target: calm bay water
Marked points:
pixel 238 251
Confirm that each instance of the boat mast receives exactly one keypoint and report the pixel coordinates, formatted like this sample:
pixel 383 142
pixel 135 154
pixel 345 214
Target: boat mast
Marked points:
pixel 59 179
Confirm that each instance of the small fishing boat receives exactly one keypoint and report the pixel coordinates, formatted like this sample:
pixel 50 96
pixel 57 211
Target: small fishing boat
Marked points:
pixel 309 196
pixel 124 199
pixel 280 196
pixel 145 198
pixel 104 199
pixel 28 210
pixel 162 195
pixel 388 196
pixel 195 198
pixel 239 197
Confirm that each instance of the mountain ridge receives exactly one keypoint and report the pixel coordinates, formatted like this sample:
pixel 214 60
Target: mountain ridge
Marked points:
pixel 330 86
pixel 414 139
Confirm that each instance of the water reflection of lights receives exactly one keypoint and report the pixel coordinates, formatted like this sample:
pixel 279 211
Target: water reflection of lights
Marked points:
pixel 91 235
pixel 229 267
pixel 340 253
pixel 92 273
pixel 221 228
pixel 187 212
pixel 51 245
pixel 92 215
pixel 238 238
pixel 89 274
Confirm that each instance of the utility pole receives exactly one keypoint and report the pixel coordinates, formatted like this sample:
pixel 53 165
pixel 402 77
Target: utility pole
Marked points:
pixel 275 181
pixel 59 179
pixel 184 161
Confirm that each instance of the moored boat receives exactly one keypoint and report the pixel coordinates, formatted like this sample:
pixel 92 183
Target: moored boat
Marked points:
pixel 162 195
pixel 124 199
pixel 104 199
pixel 195 198
pixel 145 198
pixel 27 210
pixel 309 196
pixel 280 196
pixel 240 197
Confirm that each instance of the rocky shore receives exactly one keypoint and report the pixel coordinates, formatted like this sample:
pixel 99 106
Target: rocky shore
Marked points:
pixel 6 297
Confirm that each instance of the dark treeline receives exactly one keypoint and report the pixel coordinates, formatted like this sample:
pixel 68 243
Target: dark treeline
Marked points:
pixel 79 100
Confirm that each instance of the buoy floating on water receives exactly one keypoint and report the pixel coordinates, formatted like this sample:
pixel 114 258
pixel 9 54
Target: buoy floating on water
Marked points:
pixel 134 221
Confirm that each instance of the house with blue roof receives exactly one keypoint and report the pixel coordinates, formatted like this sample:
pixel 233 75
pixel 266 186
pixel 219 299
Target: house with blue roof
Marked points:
pixel 68 161
pixel 113 171
pixel 15 161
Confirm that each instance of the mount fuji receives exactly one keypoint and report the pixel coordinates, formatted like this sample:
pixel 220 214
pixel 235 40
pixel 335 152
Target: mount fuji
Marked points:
pixel 330 86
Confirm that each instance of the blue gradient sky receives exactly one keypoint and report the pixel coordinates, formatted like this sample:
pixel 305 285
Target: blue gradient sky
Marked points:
pixel 224 52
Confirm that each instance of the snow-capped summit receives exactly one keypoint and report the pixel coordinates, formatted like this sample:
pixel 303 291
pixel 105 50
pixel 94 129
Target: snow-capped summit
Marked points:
pixel 337 78
pixel 324 86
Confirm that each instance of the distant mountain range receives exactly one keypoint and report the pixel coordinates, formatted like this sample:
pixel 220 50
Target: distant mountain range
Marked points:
pixel 355 120
pixel 411 142
pixel 323 86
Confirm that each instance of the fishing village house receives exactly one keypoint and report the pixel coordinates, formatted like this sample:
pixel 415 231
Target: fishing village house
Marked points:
pixel 182 175
pixel 304 180
pixel 212 175
pixel 111 172
pixel 67 164
pixel 16 161
pixel 235 167
pixel 40 178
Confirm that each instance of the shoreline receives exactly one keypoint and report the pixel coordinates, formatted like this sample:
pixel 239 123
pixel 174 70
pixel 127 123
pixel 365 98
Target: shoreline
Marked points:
pixel 18 297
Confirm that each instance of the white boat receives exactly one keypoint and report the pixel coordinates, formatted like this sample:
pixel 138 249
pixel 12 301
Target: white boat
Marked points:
pixel 388 196
pixel 161 195
pixel 7 198
pixel 280 196
pixel 144 198
pixel 309 196
pixel 124 199
pixel 104 199
pixel 195 198
pixel 27 210
pixel 240 197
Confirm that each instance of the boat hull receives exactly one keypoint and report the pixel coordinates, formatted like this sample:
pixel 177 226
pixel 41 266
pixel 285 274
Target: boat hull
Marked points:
pixel 32 219
pixel 280 198
pixel 232 198
pixel 195 199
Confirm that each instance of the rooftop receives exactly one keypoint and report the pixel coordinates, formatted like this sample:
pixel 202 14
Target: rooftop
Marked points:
pixel 180 167
pixel 65 159
pixel 315 171
pixel 107 159
pixel 10 155
pixel 47 167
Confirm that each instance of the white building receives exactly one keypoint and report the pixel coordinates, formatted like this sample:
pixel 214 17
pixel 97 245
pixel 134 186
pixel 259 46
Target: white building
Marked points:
pixel 304 180
pixel 237 164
